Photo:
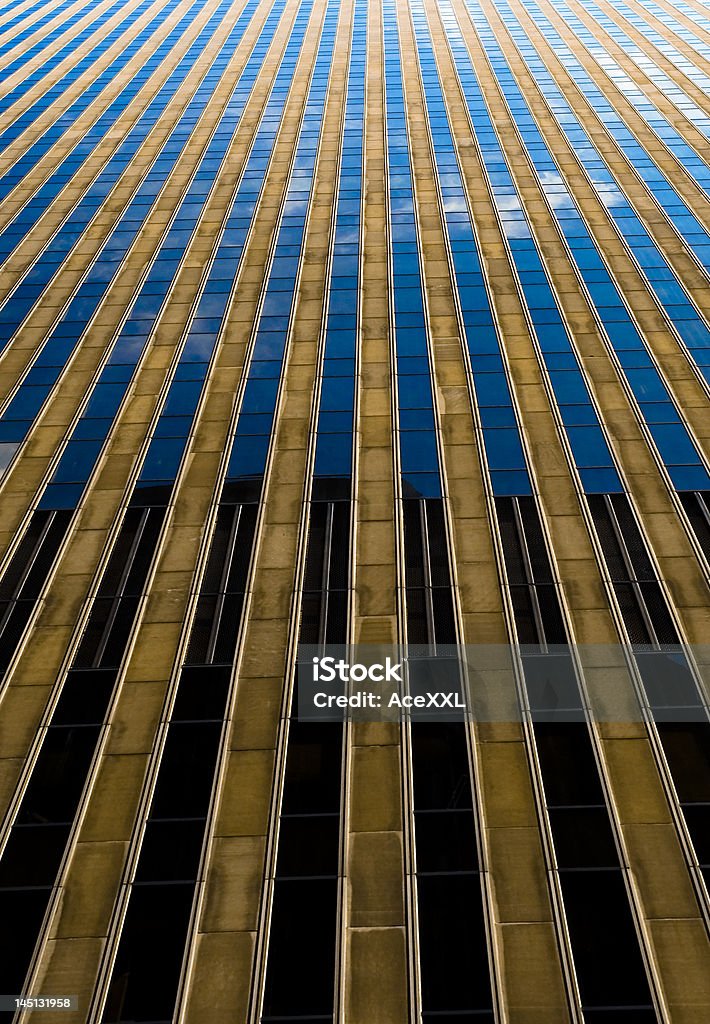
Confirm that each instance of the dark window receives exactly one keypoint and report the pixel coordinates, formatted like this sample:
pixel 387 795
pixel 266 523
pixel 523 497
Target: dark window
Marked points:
pixel 327 574
pixel 186 770
pixel 567 763
pixel 26 909
pixel 536 604
pixel 171 850
pixel 430 608
pixel 697 508
pixel 583 837
pixel 313 768
pixel 452 939
pixel 301 959
pixel 113 613
pixel 147 967
pixel 441 766
pixel 32 854
pixel 202 693
pixel 643 607
pixel 85 697
pixel 308 845
pixel 34 556
pixel 446 841
pixel 59 775
pixel 608 961
pixel 550 681
pixel 25 576
pixel 687 749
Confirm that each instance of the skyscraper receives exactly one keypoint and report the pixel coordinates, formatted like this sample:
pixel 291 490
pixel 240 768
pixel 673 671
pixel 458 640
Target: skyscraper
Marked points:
pixel 354 325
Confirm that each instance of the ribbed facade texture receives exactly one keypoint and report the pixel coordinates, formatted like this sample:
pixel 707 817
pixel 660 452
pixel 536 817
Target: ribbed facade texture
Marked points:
pixel 336 321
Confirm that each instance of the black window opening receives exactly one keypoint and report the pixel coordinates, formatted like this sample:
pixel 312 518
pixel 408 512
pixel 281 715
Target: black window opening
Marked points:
pixel 453 946
pixel 324 603
pixel 453 949
pixel 430 607
pixel 103 643
pixel 667 676
pixel 214 634
pixel 301 958
pixel 38 838
pixel 25 577
pixel 26 908
pixel 37 841
pixel 697 509
pixel 147 968
pixel 171 850
pixel 606 949
pixel 536 606
pixel 644 609
pixel 610 971
pixel 686 746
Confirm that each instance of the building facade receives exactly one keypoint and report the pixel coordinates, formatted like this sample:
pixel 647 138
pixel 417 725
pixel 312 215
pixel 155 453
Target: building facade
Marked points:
pixel 331 322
